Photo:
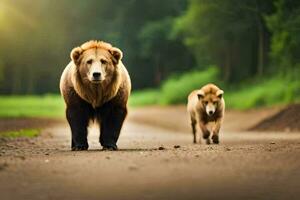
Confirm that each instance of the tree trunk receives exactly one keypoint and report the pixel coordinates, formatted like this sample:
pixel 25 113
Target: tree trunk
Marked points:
pixel 261 40
pixel 261 48
pixel 158 71
pixel 227 66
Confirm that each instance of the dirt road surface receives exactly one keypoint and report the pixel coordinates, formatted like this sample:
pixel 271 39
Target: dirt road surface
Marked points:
pixel 245 165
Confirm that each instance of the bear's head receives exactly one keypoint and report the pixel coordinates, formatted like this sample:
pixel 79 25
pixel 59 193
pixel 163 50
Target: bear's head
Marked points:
pixel 210 98
pixel 96 61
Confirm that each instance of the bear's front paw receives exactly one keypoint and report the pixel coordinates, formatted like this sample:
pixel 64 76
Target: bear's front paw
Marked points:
pixel 109 148
pixel 206 135
pixel 79 148
pixel 215 139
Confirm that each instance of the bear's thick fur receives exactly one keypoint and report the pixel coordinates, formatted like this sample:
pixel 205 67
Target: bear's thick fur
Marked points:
pixel 95 86
pixel 205 106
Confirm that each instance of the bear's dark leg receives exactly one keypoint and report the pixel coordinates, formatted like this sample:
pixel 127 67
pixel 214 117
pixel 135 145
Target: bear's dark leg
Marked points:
pixel 111 118
pixel 78 119
pixel 205 132
pixel 193 124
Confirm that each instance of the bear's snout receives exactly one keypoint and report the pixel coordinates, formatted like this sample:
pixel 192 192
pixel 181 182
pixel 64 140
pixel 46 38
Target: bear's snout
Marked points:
pixel 96 75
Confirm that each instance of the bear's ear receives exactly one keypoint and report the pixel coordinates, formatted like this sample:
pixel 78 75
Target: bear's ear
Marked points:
pixel 220 93
pixel 116 54
pixel 200 94
pixel 75 55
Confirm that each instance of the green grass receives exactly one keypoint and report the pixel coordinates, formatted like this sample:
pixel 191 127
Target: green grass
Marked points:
pixel 144 98
pixel 175 89
pixel 275 90
pixel 29 133
pixel 278 90
pixel 31 106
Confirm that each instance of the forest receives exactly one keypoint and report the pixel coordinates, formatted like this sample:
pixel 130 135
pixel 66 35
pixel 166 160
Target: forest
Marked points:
pixel 234 43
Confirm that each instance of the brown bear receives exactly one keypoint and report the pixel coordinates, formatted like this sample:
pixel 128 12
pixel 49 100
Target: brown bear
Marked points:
pixel 95 86
pixel 206 106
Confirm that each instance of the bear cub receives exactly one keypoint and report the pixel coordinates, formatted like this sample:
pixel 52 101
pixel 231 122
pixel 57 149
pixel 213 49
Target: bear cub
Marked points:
pixel 206 106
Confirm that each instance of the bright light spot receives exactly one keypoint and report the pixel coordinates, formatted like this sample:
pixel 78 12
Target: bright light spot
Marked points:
pixel 10 15
pixel 2 12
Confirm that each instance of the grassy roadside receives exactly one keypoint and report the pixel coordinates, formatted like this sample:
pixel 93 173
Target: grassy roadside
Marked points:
pixel 28 106
pixel 276 90
pixel 48 106
pixel 28 133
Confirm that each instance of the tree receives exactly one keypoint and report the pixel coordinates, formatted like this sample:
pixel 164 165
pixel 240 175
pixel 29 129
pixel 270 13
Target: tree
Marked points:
pixel 284 25
pixel 35 45
pixel 229 33
pixel 168 55
pixel 146 55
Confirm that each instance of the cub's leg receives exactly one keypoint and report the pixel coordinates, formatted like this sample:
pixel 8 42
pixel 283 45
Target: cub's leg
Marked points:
pixel 216 130
pixel 193 124
pixel 111 118
pixel 205 132
pixel 78 118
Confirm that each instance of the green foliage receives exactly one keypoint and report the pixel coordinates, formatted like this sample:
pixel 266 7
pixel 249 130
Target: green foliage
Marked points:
pixel 277 90
pixel 280 90
pixel 28 133
pixel 228 33
pixel 32 62
pixel 283 24
pixel 245 39
pixel 31 106
pixel 176 89
pixel 167 53
pixel 144 98
pixel 154 34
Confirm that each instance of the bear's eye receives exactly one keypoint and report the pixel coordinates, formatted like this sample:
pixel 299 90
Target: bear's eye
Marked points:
pixel 90 61
pixel 215 102
pixel 104 62
pixel 205 102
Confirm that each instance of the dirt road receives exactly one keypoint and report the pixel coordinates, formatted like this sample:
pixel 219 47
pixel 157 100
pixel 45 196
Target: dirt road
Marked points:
pixel 246 165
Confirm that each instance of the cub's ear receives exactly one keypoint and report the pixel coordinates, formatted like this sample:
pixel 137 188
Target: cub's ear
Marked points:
pixel 117 54
pixel 75 55
pixel 200 94
pixel 220 93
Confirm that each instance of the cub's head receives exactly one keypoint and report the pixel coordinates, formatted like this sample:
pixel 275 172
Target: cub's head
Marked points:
pixel 96 61
pixel 210 98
